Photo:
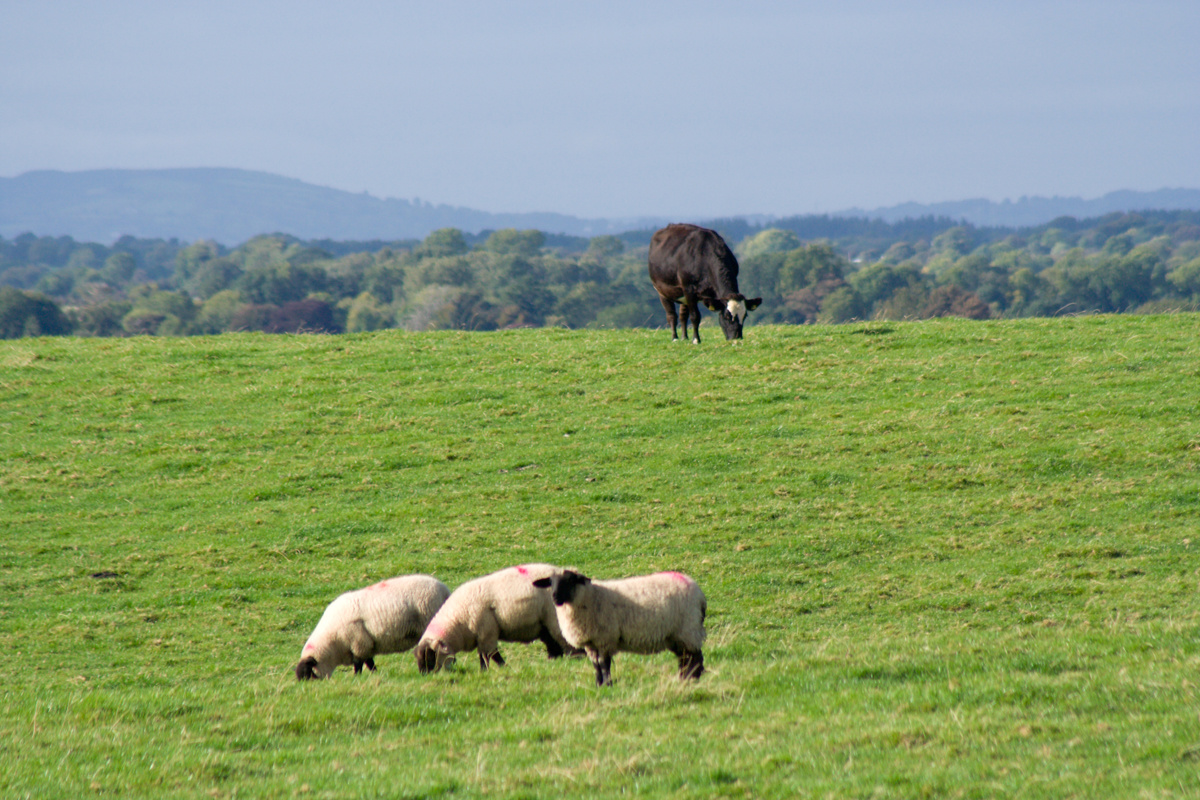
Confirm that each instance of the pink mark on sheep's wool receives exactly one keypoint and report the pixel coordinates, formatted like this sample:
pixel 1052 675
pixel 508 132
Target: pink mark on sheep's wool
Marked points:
pixel 679 576
pixel 380 585
pixel 310 646
pixel 522 571
pixel 437 631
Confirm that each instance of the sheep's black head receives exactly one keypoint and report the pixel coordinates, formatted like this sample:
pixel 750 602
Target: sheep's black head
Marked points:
pixel 563 585
pixel 432 656
pixel 307 669
pixel 426 658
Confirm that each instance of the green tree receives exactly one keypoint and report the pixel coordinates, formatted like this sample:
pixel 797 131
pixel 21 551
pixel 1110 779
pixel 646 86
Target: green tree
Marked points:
pixel 386 279
pixel 277 282
pixel 86 258
pixel 604 248
pixel 878 282
pixel 531 298
pixel 841 305
pixel 103 319
pixel 1027 291
pixel 510 241
pixel 445 271
pixel 218 311
pixel 118 269
pixel 421 311
pixel 49 250
pixel 174 311
pixel 444 242
pixel 954 242
pixel 898 252
pixel 468 311
pixel 30 314
pixel 59 283
pixel 212 276
pixel 771 240
pixel 367 314
pixel 811 265
pixel 1186 278
pixel 907 302
pixel 189 259
pixel 143 322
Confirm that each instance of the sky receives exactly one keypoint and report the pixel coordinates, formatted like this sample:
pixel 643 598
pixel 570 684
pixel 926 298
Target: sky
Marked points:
pixel 617 109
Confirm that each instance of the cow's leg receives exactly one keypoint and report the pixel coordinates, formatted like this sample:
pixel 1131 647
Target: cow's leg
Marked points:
pixel 692 310
pixel 669 306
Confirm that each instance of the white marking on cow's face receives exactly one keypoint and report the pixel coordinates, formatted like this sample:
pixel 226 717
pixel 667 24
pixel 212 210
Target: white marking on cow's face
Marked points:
pixel 737 310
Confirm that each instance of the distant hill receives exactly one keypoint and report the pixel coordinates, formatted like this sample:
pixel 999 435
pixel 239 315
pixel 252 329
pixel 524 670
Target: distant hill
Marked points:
pixel 1031 211
pixel 233 205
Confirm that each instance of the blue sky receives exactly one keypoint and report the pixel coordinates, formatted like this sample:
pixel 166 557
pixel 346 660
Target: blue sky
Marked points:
pixel 617 109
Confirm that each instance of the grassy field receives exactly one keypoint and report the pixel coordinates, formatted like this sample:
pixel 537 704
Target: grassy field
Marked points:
pixel 945 559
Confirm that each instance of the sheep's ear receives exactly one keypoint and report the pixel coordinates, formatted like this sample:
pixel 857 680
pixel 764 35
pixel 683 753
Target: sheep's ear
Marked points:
pixel 711 304
pixel 753 304
pixel 542 583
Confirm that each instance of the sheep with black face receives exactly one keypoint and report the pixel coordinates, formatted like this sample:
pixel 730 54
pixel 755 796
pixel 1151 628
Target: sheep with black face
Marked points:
pixel 385 617
pixel 646 614
pixel 484 611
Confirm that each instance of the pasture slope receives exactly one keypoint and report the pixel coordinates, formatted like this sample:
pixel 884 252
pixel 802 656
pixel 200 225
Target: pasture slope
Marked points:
pixel 943 558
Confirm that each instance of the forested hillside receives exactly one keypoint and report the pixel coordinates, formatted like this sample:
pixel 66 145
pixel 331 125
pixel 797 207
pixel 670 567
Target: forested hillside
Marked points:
pixel 807 269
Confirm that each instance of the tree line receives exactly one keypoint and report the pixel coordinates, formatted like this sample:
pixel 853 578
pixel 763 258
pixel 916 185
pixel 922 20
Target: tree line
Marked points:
pixel 807 269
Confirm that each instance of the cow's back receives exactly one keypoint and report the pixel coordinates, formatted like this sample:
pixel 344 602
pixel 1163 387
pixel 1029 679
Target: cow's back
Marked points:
pixel 683 255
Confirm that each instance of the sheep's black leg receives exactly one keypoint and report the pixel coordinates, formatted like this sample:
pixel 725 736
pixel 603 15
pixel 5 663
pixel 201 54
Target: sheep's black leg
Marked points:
pixel 483 660
pixel 497 659
pixel 603 667
pixel 358 662
pixel 370 662
pixel 553 648
pixel 691 665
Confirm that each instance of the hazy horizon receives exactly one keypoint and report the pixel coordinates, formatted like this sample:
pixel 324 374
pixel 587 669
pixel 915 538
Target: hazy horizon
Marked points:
pixel 617 110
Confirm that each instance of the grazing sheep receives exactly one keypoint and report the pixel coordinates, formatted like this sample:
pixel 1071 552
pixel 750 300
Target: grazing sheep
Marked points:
pixel 646 614
pixel 386 617
pixel 483 612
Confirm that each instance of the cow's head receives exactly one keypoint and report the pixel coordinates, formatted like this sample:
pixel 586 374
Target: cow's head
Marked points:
pixel 732 311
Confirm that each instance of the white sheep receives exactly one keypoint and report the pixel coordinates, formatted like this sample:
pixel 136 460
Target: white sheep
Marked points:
pixel 503 606
pixel 386 617
pixel 646 614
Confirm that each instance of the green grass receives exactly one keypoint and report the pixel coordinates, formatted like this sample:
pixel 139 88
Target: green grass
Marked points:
pixel 946 559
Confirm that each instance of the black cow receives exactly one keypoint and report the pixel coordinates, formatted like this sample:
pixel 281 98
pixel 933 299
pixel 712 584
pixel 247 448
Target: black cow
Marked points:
pixel 691 265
